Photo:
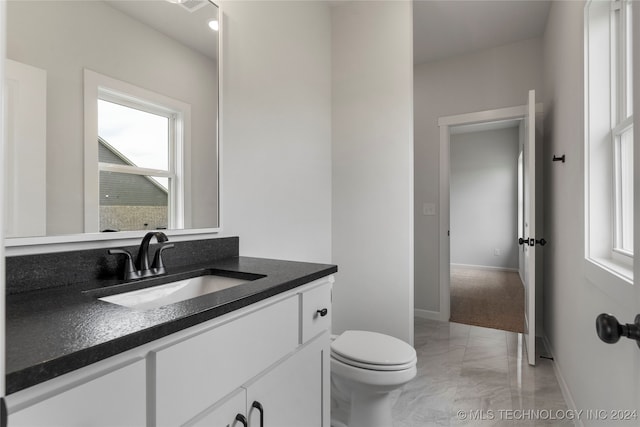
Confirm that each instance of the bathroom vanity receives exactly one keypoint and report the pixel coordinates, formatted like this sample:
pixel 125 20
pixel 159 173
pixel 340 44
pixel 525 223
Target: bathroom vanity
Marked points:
pixel 254 354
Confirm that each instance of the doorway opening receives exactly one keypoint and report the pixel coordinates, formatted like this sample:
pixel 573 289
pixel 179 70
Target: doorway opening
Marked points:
pixel 486 196
pixel 529 271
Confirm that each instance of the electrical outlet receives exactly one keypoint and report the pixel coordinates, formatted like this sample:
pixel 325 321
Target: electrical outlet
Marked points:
pixel 496 252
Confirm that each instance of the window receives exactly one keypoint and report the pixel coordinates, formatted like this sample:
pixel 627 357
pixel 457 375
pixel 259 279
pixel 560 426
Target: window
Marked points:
pixel 609 137
pixel 136 142
pixel 623 206
pixel 136 171
pixel 622 125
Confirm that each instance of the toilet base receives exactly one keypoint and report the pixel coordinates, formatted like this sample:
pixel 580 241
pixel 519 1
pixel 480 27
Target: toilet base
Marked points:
pixel 355 404
pixel 364 410
pixel 370 410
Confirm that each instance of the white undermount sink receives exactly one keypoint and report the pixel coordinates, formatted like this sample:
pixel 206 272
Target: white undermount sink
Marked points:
pixel 161 295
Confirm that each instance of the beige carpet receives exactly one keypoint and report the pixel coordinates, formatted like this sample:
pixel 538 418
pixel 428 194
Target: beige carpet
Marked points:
pixel 493 299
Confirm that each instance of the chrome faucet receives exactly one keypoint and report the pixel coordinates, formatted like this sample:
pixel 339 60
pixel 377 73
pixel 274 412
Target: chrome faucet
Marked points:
pixel 141 267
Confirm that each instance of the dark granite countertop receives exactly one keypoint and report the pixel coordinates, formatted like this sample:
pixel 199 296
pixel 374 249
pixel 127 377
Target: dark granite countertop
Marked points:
pixel 51 332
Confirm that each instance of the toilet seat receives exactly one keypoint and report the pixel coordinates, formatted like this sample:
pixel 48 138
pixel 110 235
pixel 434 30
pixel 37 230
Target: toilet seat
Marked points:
pixel 373 351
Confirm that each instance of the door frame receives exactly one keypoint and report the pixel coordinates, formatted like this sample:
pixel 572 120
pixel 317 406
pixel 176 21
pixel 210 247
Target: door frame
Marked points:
pixel 445 123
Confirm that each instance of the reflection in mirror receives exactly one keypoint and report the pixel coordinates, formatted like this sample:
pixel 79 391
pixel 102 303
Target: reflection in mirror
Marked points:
pixel 133 139
pixel 165 49
pixel 140 152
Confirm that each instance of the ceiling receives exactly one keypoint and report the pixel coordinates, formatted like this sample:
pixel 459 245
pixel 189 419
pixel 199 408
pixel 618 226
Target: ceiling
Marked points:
pixel 446 28
pixel 186 23
pixel 441 28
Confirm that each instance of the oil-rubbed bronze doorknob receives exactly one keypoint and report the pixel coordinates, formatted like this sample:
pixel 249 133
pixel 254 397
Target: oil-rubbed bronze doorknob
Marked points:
pixel 322 312
pixel 610 330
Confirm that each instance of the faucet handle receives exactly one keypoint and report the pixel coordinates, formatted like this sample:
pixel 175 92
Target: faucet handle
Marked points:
pixel 158 266
pixel 130 271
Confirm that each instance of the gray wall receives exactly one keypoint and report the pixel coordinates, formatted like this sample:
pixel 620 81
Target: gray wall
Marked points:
pixel 276 128
pixel 490 79
pixel 484 198
pixel 372 153
pixel 93 35
pixel 598 375
pixel 317 142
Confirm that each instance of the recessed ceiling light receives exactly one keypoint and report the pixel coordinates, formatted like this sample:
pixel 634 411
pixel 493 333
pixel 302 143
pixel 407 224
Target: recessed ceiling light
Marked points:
pixel 176 1
pixel 213 24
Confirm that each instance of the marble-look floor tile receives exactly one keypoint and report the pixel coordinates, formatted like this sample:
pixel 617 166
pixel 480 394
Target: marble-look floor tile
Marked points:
pixel 473 376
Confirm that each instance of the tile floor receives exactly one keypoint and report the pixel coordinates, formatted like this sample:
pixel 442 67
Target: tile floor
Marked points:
pixel 480 372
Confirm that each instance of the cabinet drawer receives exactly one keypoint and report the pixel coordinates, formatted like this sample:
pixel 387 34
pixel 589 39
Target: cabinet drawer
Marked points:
pixel 193 374
pixel 114 399
pixel 314 301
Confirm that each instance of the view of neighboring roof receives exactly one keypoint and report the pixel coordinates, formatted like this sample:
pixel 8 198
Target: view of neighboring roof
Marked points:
pixel 127 189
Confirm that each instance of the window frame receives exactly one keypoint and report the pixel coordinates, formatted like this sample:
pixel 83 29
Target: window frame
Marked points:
pixel 619 194
pixel 621 118
pixel 98 86
pixel 174 192
pixel 606 119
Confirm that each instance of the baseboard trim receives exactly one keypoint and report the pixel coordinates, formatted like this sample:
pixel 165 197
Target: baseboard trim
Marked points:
pixel 564 387
pixel 429 314
pixel 483 267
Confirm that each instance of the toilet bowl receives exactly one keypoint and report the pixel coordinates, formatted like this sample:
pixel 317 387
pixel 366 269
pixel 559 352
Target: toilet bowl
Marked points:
pixel 365 368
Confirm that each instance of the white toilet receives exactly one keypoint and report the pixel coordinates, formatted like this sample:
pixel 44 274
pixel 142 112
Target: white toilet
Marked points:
pixel 365 368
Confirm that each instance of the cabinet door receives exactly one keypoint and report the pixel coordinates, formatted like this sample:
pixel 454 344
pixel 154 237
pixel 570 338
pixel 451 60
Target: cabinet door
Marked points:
pixel 296 392
pixel 194 374
pixel 223 414
pixel 115 399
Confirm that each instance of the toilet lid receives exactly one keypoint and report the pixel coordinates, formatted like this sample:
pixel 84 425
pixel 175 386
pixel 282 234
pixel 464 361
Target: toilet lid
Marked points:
pixel 373 351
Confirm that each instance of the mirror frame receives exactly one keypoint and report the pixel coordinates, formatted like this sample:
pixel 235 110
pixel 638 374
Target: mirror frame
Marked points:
pixel 66 242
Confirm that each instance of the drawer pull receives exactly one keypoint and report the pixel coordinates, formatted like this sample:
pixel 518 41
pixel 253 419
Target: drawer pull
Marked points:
pixel 242 419
pixel 259 407
pixel 322 312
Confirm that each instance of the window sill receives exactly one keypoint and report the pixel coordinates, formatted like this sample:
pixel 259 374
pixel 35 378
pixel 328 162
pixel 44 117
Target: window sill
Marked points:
pixel 607 273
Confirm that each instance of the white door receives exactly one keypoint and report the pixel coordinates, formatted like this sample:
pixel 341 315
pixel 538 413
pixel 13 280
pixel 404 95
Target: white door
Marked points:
pixel 529 223
pixel 25 150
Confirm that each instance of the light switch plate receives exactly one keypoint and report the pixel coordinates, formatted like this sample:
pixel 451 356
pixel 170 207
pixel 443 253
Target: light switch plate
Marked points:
pixel 428 209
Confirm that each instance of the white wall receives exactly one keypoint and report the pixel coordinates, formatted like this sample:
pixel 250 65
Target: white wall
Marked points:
pixel 490 79
pixel 276 128
pixel 484 198
pixel 65 37
pixel 598 375
pixel 372 166
pixel 2 178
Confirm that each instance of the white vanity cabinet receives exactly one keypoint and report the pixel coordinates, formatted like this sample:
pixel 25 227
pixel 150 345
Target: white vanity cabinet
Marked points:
pixel 113 399
pixel 230 411
pixel 274 352
pixel 301 390
pixel 291 394
pixel 293 391
pixel 193 374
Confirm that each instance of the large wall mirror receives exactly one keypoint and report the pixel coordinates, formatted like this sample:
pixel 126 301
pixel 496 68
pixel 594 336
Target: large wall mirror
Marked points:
pixel 112 117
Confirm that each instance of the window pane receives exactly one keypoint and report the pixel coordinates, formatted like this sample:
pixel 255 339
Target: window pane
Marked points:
pixel 616 55
pixel 625 191
pixel 132 202
pixel 128 136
